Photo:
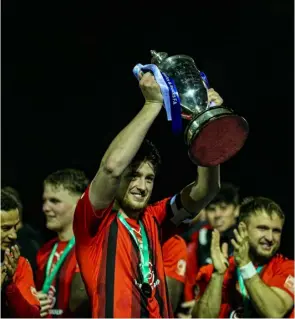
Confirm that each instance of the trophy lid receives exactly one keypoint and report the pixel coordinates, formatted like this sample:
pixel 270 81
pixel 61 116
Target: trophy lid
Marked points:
pixel 158 57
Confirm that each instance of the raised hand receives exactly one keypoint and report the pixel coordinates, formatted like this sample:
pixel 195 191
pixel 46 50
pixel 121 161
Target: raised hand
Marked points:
pixel 11 260
pixel 213 96
pixel 219 255
pixel 241 245
pixel 150 89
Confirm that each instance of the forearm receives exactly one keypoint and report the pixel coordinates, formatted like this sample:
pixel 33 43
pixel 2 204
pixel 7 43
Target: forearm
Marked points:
pixel 208 306
pixel 199 194
pixel 125 146
pixel 18 305
pixel 265 300
pixel 175 289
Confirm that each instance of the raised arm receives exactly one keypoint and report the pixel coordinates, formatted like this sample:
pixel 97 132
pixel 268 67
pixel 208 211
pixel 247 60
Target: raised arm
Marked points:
pixel 208 306
pixel 125 146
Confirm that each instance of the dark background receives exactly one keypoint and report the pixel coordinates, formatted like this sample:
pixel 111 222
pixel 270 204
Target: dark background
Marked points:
pixel 68 88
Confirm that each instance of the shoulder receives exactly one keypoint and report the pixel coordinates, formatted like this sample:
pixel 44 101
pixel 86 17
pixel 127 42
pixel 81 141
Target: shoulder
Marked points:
pixel 175 242
pixel 46 248
pixel 281 263
pixel 161 204
pixel 200 233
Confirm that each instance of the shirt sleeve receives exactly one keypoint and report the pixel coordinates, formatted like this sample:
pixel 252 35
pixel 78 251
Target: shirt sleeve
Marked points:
pixel 165 212
pixel 284 277
pixel 88 221
pixel 175 258
pixel 21 292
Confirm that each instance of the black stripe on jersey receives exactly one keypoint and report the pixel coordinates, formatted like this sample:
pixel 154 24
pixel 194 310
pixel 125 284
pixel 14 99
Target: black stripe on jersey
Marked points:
pixel 110 270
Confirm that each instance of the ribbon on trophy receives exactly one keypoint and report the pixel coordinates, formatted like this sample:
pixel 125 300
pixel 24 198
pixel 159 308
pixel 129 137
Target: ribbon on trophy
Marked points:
pixel 207 85
pixel 169 91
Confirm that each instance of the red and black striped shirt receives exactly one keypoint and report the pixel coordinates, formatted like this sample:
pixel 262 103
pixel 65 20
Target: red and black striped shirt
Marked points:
pixel 109 260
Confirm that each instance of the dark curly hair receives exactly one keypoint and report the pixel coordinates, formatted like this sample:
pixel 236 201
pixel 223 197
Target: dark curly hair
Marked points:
pixel 73 180
pixel 228 194
pixel 8 201
pixel 255 205
pixel 148 152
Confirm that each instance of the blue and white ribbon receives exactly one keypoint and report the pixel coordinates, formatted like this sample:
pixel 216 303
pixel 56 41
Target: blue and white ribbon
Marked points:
pixel 170 95
pixel 206 82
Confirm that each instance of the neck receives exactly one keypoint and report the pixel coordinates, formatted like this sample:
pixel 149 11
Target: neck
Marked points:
pixel 256 260
pixel 66 234
pixel 127 213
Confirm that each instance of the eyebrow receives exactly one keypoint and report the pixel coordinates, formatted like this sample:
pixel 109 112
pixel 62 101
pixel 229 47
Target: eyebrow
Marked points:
pixel 10 224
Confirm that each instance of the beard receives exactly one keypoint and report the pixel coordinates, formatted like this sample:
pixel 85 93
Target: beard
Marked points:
pixel 132 208
pixel 262 258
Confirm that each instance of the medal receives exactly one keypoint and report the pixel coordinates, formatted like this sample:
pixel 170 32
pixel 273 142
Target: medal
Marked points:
pixel 143 255
pixel 146 289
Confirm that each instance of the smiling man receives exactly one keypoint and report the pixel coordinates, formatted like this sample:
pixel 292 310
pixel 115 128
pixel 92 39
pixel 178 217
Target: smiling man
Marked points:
pixel 18 293
pixel 58 279
pixel 255 281
pixel 119 236
pixel 221 214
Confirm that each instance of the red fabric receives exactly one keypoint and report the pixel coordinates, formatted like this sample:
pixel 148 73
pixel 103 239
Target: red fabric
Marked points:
pixel 20 294
pixel 192 269
pixel 61 286
pixel 274 274
pixel 219 140
pixel 108 259
pixel 175 258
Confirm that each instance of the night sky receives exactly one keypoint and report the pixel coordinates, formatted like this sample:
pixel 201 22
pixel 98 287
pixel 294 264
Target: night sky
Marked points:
pixel 68 88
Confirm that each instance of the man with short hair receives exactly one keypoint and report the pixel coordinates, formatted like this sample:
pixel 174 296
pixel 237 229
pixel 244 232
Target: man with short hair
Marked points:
pixel 58 277
pixel 119 235
pixel 28 238
pixel 18 293
pixel 255 281
pixel 221 214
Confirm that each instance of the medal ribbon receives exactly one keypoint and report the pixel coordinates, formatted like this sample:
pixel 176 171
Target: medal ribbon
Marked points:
pixel 143 249
pixel 50 275
pixel 245 296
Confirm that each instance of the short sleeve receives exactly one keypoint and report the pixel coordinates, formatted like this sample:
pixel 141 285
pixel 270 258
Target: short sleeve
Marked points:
pixel 284 277
pixel 24 280
pixel 87 220
pixel 175 258
pixel 165 211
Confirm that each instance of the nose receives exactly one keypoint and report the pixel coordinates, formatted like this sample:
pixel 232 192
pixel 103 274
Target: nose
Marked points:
pixel 218 212
pixel 12 235
pixel 45 207
pixel 269 235
pixel 141 185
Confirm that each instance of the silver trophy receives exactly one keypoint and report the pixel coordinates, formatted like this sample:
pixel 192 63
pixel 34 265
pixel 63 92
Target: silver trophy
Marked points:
pixel 214 133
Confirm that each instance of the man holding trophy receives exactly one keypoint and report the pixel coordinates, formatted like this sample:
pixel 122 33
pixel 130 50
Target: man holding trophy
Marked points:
pixel 118 235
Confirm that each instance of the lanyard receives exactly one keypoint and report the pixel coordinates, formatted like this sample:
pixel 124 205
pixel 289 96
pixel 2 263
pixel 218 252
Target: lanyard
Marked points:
pixel 143 249
pixel 51 275
pixel 245 296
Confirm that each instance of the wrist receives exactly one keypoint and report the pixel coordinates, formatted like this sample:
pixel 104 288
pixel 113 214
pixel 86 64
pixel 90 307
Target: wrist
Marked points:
pixel 247 271
pixel 153 103
pixel 218 274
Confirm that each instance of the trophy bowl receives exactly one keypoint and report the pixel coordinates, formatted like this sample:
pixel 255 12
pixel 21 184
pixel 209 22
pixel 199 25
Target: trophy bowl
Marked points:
pixel 213 134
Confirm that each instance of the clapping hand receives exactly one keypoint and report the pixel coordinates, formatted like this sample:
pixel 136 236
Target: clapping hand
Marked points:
pixel 219 255
pixel 241 245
